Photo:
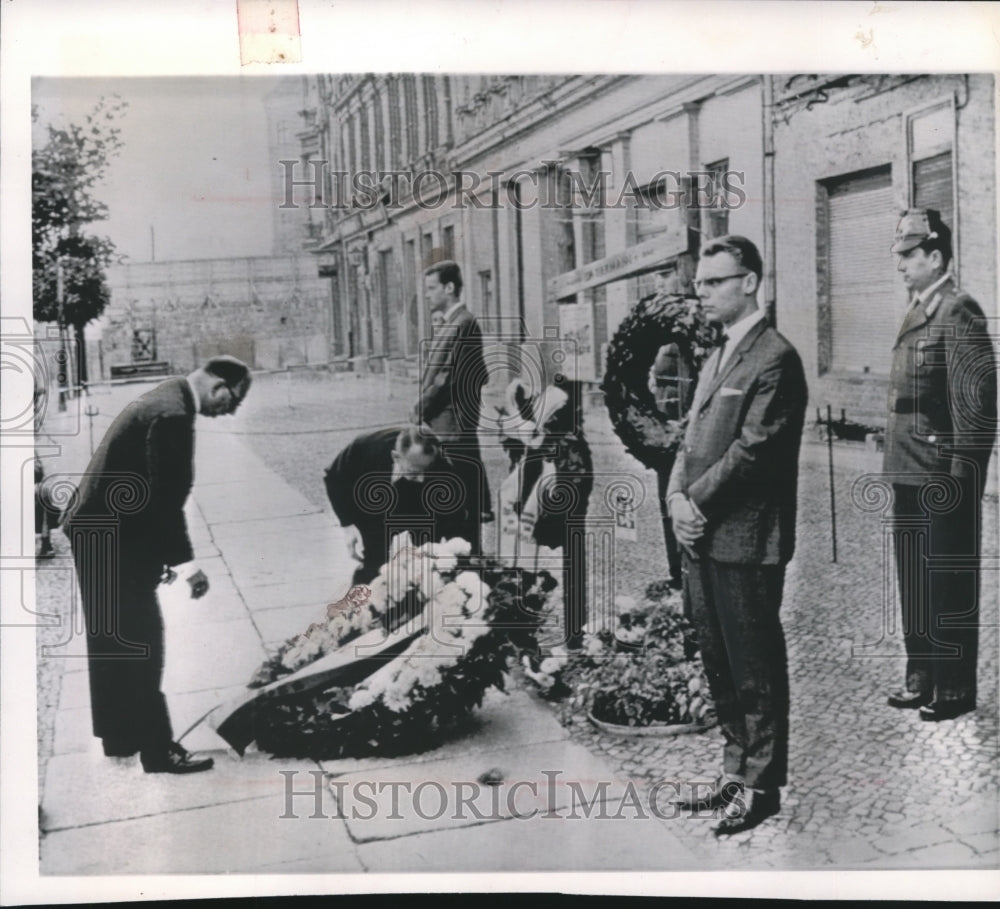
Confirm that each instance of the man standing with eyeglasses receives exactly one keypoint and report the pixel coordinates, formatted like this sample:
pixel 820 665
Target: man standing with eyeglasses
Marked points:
pixel 732 499
pixel 127 530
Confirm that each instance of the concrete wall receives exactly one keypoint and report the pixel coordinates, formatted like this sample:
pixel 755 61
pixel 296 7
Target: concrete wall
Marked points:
pixel 272 312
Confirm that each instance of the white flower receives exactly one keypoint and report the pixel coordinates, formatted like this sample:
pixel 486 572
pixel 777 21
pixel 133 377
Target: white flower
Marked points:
pixel 456 547
pixel 446 563
pixel 592 644
pixel 396 701
pixel 379 593
pixel 428 674
pixel 361 698
pixel 401 541
pixel 469 581
pixel 551 665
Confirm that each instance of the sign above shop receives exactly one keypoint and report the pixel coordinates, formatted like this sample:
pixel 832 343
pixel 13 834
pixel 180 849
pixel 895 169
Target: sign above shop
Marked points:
pixel 635 260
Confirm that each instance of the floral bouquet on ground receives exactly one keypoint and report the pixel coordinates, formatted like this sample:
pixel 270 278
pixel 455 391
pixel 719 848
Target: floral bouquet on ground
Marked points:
pixel 462 620
pixel 639 671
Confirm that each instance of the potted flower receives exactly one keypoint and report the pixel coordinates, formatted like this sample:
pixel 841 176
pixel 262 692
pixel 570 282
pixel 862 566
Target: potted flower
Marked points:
pixel 638 678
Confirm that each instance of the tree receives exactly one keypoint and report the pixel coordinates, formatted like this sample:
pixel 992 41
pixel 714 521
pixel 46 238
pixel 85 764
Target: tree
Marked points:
pixel 64 173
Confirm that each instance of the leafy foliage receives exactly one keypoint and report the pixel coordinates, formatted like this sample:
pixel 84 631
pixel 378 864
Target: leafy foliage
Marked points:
pixel 643 673
pixel 65 172
pixel 648 435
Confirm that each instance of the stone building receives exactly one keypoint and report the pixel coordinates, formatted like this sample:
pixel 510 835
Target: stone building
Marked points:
pixel 560 195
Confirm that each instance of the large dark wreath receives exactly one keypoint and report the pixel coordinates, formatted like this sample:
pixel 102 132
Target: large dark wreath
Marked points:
pixel 654 321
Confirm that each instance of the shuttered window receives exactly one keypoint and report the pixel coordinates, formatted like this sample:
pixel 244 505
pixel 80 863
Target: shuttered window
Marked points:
pixel 932 186
pixel 864 290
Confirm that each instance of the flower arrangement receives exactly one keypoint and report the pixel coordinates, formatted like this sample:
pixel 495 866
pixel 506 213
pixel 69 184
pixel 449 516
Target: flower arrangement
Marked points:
pixel 641 673
pixel 472 618
pixel 671 318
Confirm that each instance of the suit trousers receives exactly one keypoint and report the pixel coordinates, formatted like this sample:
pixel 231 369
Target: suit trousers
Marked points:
pixel 471 473
pixel 735 611
pixel 673 547
pixel 940 607
pixel 125 646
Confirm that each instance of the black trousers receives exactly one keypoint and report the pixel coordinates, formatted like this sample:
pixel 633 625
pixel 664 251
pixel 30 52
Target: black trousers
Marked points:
pixel 940 606
pixel 673 547
pixel 471 473
pixel 125 649
pixel 735 611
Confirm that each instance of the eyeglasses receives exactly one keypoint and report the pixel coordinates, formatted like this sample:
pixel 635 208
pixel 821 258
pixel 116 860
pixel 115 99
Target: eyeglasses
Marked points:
pixel 715 282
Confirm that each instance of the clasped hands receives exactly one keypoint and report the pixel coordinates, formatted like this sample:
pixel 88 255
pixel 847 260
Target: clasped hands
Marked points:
pixel 689 522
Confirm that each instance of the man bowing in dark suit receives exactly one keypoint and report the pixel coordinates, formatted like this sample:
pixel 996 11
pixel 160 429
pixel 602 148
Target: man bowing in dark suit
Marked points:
pixel 451 385
pixel 938 440
pixel 732 499
pixel 127 529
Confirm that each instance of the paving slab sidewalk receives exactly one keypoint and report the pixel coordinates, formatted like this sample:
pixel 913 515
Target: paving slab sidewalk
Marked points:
pixel 274 561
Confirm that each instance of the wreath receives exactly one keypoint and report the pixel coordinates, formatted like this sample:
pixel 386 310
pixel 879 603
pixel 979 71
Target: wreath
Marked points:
pixel 648 434
pixel 473 618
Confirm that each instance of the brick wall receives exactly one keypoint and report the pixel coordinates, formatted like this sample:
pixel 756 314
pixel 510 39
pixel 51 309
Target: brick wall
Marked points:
pixel 272 312
pixel 860 127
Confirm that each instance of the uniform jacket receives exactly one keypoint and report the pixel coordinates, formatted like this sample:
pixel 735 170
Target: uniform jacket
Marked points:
pixel 739 459
pixel 453 378
pixel 942 392
pixel 141 475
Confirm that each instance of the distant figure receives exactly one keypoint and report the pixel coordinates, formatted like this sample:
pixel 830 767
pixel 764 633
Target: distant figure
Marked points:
pixel 451 387
pixel 941 427
pixel 378 487
pixel 127 529
pixel 671 382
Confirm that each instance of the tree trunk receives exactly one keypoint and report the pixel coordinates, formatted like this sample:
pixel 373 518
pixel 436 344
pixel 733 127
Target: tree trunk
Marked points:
pixel 82 376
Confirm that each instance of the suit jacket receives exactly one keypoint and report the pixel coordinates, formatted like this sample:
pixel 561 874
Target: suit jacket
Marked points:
pixel 739 459
pixel 451 387
pixel 358 486
pixel 942 392
pixel 141 475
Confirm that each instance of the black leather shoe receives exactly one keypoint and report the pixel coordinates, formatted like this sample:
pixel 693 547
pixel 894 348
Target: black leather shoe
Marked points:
pixel 908 700
pixel 118 748
pixel 747 813
pixel 946 710
pixel 724 792
pixel 174 759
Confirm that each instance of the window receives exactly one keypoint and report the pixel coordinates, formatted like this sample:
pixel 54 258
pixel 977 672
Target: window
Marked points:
pixel 486 293
pixel 379 135
pixel 592 216
pixel 395 128
pixel 431 112
pixel 860 297
pixel 654 211
pixel 715 220
pixel 930 146
pixel 410 108
pixel 448 241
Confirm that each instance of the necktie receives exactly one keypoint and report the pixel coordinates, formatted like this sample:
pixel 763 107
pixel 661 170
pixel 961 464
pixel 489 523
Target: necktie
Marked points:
pixel 722 353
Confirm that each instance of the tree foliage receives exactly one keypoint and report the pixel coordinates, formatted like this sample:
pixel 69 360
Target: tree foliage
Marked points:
pixel 65 172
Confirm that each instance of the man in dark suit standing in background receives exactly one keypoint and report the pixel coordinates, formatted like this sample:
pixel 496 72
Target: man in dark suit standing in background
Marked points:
pixel 939 436
pixel 732 499
pixel 127 529
pixel 451 386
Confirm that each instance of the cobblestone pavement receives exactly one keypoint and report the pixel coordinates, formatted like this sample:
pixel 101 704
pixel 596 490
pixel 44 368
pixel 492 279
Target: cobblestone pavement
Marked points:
pixel 869 787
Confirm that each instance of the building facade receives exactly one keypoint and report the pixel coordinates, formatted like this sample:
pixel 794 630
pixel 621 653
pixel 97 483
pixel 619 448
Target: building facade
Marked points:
pixel 560 195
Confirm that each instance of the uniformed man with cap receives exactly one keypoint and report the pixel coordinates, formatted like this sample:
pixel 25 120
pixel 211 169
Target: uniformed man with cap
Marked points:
pixel 939 436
